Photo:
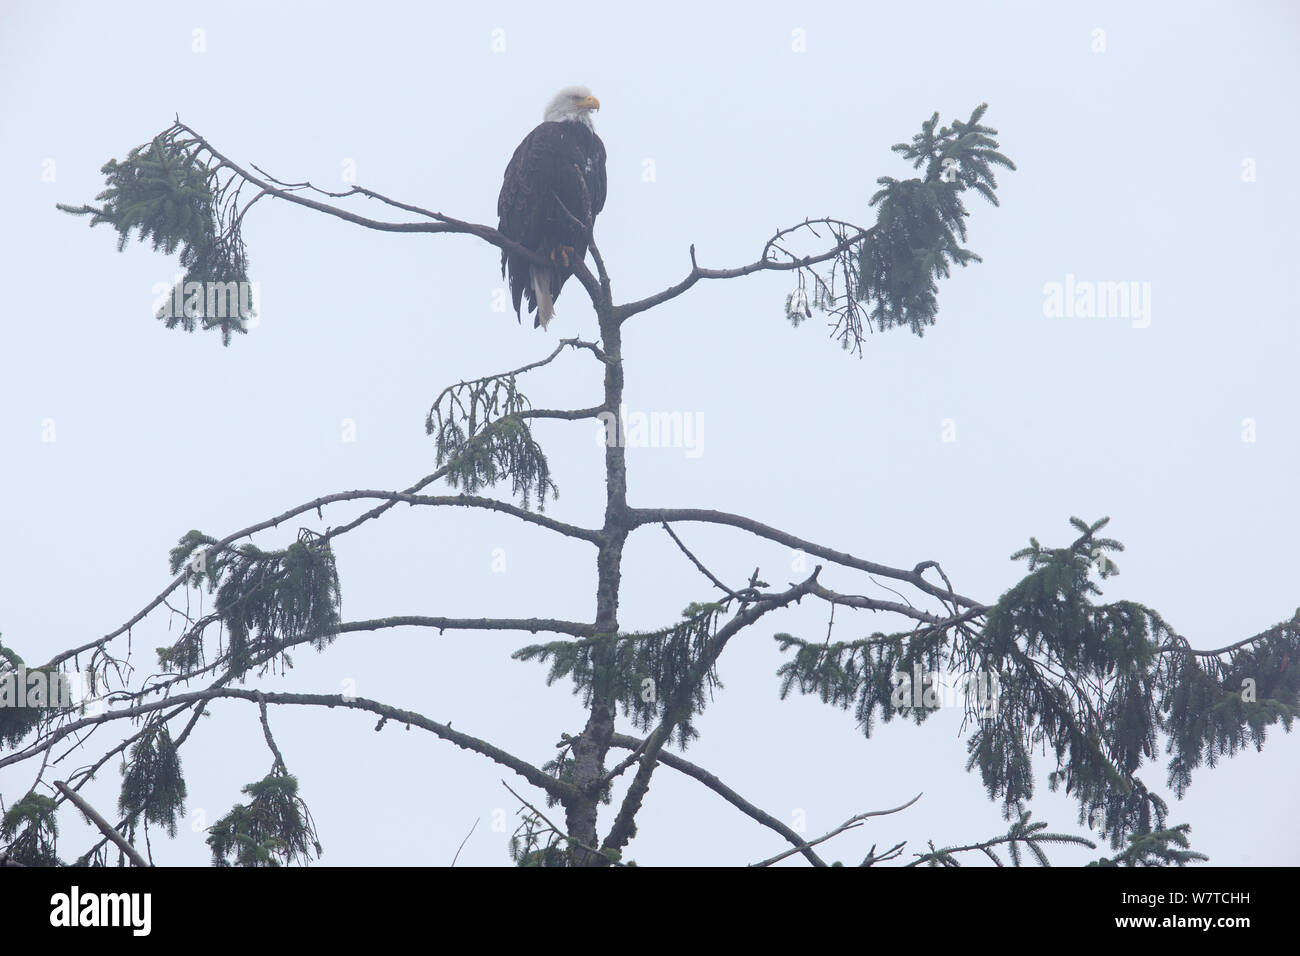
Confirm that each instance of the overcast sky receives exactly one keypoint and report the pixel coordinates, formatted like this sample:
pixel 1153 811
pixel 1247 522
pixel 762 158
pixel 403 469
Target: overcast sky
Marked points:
pixel 1153 144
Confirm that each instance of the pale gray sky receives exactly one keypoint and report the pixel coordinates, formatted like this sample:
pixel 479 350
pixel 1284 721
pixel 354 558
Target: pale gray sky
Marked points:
pixel 1131 168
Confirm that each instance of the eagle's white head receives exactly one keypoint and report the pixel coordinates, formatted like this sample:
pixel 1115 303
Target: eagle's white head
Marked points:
pixel 572 104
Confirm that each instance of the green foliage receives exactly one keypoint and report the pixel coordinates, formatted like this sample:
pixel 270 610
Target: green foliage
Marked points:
pixel 152 781
pixel 185 554
pixel 1096 683
pixel 1157 848
pixel 536 844
pixel 797 306
pixel 1023 835
pixel 562 768
pixel 17 719
pixel 1213 707
pixel 552 854
pixel 862 673
pixel 920 223
pixel 266 599
pixel 482 439
pixel 171 193
pixel 273 829
pixel 645 672
pixel 31 832
pixel 15 722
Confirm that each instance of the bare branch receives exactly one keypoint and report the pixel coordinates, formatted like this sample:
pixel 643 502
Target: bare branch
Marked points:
pixel 872 858
pixel 696 561
pixel 278 766
pixel 763 264
pixel 466 840
pixel 641 516
pixel 848 824
pixel 873 604
pixel 557 788
pixel 721 789
pixel 104 827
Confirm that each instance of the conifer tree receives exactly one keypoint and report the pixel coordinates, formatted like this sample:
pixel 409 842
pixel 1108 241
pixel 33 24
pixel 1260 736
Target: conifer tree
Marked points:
pixel 1098 684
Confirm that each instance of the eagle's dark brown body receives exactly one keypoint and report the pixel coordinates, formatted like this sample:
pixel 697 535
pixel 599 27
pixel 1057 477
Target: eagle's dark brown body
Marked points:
pixel 559 166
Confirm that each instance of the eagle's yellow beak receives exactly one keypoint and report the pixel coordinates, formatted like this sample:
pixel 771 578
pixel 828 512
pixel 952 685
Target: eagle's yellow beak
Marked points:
pixel 590 103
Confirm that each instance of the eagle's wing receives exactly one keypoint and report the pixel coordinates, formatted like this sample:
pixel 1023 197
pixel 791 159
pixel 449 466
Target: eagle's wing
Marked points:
pixel 580 183
pixel 598 177
pixel 523 202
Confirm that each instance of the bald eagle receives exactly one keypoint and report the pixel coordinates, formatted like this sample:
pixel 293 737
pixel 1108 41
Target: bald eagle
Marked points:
pixel 556 176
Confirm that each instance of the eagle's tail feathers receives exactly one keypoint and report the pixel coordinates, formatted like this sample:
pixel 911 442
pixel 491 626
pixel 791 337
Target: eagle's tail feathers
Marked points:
pixel 542 293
